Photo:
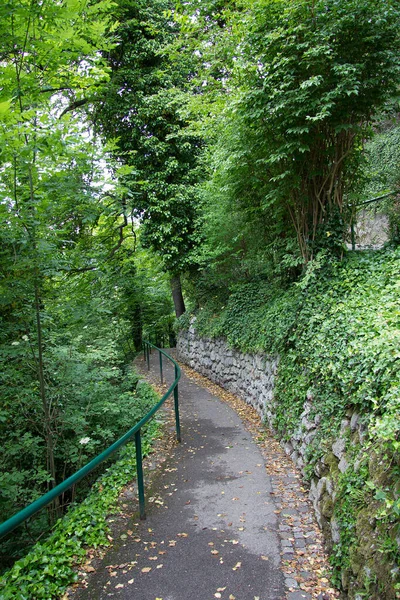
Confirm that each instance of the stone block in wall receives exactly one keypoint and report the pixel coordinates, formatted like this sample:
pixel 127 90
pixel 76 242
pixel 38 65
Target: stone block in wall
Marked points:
pixel 343 464
pixel 339 447
pixel 354 421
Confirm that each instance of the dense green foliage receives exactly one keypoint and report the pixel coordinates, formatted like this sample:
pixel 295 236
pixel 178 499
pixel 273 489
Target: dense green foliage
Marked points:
pixel 77 290
pixel 143 110
pixel 234 145
pixel 51 566
pixel 337 331
pixel 303 83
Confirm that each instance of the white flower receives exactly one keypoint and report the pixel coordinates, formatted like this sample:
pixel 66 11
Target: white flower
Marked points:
pixel 14 343
pixel 25 338
pixel 84 441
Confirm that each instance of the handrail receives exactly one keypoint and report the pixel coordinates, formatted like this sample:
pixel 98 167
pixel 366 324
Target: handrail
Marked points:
pixel 40 503
pixel 371 200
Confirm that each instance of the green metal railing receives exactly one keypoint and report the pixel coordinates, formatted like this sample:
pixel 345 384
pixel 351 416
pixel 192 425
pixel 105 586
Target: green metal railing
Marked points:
pixel 40 503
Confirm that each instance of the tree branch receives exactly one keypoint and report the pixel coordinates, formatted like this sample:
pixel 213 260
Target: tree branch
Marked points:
pixel 74 105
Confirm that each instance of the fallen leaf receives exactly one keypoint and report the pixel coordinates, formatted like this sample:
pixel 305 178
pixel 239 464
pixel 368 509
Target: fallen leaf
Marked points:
pixel 131 581
pixel 218 595
pixel 89 569
pixel 159 566
pixel 119 585
pixel 221 589
pixel 183 535
pixel 232 597
pixel 153 557
pixel 237 566
pixel 146 569
pixel 215 552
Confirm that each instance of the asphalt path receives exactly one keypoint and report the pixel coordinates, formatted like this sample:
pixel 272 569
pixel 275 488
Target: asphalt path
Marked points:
pixel 211 530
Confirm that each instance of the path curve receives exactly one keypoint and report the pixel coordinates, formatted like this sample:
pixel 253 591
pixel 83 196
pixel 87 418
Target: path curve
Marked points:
pixel 214 528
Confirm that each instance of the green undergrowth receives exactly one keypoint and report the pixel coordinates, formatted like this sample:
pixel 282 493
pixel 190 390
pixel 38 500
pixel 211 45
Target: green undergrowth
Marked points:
pixel 337 332
pixel 50 567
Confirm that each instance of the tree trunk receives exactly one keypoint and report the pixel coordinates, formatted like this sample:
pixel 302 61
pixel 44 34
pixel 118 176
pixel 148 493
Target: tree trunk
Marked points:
pixel 177 295
pixel 54 511
pixel 137 327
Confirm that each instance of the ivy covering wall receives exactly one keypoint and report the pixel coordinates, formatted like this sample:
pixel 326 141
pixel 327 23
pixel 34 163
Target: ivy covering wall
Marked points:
pixel 337 333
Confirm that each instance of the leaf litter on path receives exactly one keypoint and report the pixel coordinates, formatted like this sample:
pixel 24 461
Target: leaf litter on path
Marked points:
pixel 309 567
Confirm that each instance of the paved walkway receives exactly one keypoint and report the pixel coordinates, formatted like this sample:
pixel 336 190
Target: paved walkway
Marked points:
pixel 212 528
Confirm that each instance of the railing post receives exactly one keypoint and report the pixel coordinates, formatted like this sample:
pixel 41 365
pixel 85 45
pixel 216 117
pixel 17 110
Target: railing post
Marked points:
pixel 144 350
pixel 139 473
pixel 161 368
pixel 176 403
pixel 353 234
pixel 148 357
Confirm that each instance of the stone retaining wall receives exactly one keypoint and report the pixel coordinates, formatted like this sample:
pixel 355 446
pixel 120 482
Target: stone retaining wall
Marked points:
pixel 251 377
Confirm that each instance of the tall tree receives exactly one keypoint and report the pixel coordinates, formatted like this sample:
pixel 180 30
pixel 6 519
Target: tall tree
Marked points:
pixel 313 75
pixel 143 110
pixel 304 82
